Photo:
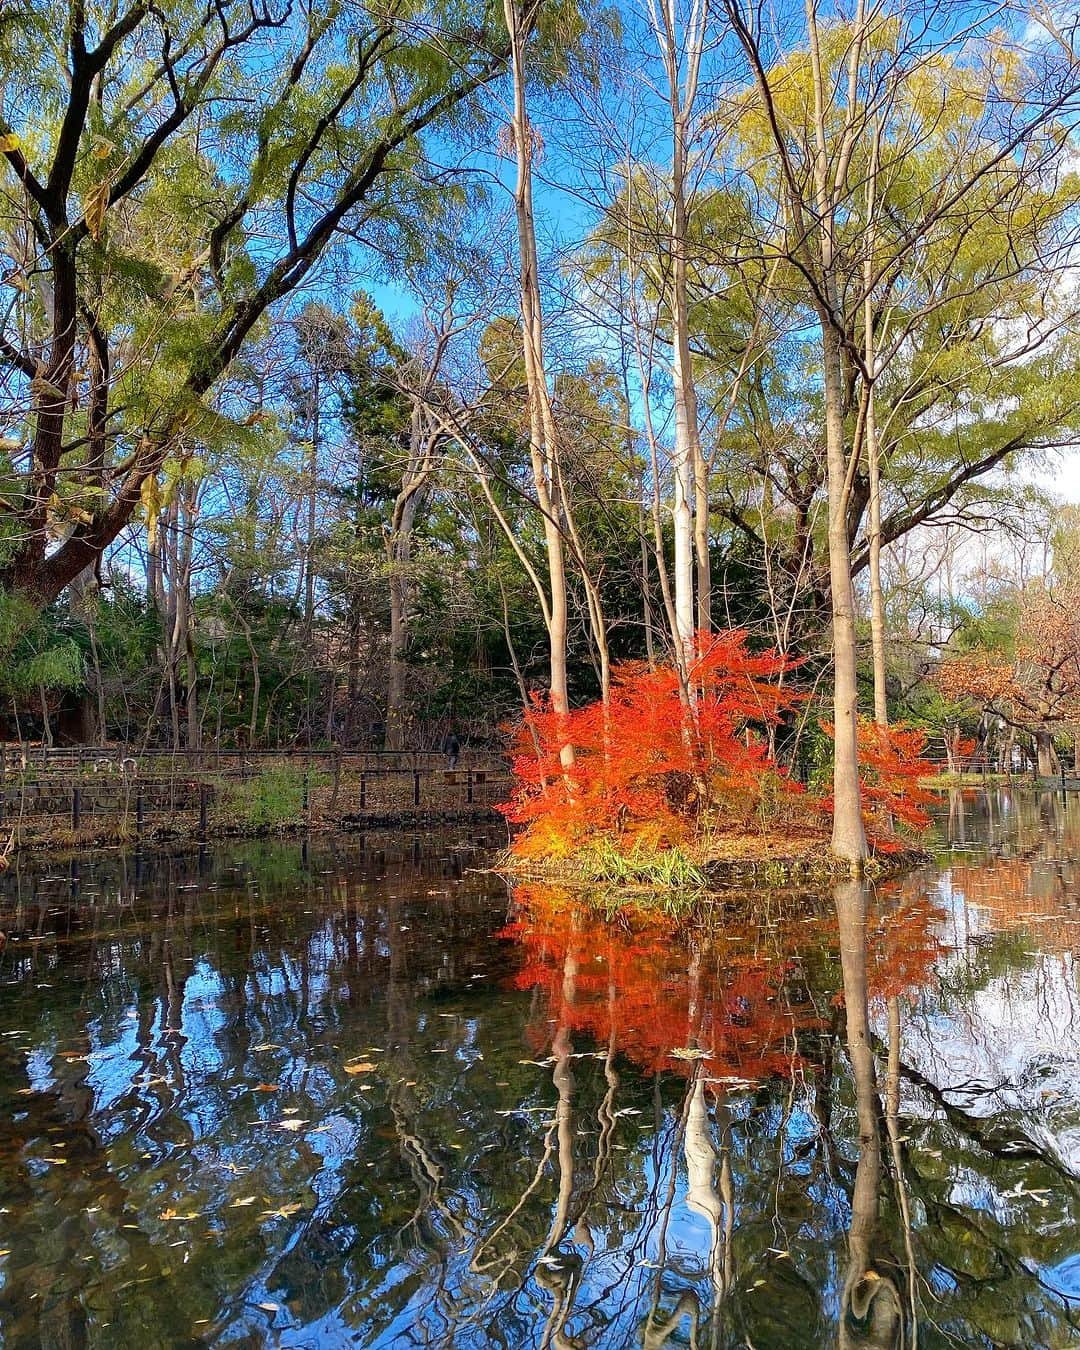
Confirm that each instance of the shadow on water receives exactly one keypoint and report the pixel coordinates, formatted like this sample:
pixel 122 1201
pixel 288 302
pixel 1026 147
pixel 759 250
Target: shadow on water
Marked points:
pixel 355 1093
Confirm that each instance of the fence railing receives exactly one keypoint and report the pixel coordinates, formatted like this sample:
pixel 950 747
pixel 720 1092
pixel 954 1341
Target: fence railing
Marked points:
pixel 93 792
pixel 40 759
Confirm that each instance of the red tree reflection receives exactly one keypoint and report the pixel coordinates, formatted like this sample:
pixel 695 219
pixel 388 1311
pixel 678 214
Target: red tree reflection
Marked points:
pixel 659 997
pixel 735 998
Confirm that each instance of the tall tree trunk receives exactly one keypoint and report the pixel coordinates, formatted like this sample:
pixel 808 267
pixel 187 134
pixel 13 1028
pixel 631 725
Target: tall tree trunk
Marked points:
pixel 312 504
pixel 646 589
pixel 848 835
pixel 1044 750
pixel 680 50
pixel 877 598
pixel 543 445
pixel 189 492
pixel 399 556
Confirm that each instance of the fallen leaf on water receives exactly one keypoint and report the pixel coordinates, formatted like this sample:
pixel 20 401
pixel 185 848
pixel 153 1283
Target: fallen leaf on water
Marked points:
pixel 365 1067
pixel 283 1212
pixel 245 1200
pixel 268 1307
pixel 266 1046
pixel 265 1087
pixel 289 1124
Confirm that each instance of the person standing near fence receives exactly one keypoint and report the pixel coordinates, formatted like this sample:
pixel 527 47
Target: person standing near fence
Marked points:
pixel 452 746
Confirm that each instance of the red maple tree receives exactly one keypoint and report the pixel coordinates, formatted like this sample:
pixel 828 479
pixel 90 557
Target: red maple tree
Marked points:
pixel 656 759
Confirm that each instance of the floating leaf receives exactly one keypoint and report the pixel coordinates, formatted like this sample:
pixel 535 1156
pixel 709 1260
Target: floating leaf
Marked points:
pixel 284 1212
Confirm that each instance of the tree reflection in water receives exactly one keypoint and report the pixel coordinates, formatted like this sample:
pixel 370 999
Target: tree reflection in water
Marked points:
pixel 266 1096
pixel 728 1006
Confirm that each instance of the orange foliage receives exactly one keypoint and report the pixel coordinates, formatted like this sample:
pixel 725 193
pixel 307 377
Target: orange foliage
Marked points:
pixel 645 766
pixel 903 948
pixel 646 993
pixel 891 763
pixel 1038 687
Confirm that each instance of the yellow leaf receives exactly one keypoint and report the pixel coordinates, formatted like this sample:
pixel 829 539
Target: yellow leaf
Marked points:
pixel 97 199
pixel 365 1067
pixel 9 142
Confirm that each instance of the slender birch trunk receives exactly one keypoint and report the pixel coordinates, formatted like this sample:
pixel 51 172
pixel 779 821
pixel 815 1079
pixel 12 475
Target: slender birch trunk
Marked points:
pixel 680 49
pixel 877 599
pixel 848 836
pixel 543 443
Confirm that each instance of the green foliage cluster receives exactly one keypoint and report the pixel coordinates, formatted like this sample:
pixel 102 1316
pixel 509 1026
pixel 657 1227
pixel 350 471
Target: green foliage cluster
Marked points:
pixel 270 800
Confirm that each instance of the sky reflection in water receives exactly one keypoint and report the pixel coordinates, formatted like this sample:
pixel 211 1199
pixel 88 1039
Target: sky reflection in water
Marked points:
pixel 359 1095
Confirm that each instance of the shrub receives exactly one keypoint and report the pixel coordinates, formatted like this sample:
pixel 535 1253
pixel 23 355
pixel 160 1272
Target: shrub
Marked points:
pixel 652 765
pixel 272 799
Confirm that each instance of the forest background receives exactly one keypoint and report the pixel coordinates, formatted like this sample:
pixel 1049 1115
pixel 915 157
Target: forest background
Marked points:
pixel 367 369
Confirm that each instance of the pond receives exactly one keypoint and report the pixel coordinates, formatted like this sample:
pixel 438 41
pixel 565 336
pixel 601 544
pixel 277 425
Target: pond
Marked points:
pixel 356 1093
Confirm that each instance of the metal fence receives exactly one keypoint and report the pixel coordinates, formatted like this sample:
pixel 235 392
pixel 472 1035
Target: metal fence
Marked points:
pixel 31 760
pixel 89 792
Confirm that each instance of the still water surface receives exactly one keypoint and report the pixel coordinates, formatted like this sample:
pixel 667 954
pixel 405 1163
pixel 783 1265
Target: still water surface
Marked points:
pixel 359 1094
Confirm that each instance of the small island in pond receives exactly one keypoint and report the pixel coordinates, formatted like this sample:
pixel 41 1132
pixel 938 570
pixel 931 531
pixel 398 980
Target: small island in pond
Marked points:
pixel 673 780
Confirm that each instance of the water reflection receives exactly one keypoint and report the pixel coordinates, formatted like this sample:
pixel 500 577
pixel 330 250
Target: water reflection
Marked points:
pixel 361 1095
